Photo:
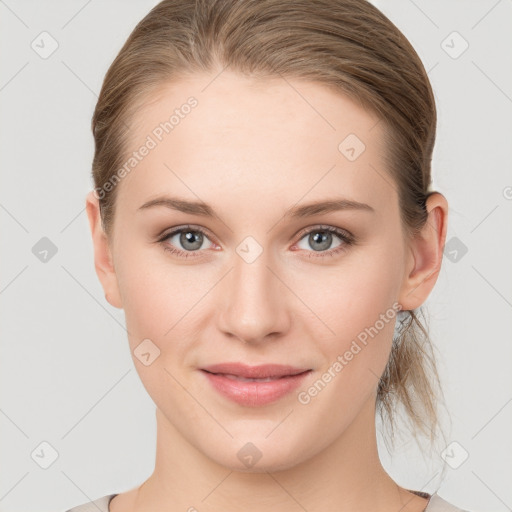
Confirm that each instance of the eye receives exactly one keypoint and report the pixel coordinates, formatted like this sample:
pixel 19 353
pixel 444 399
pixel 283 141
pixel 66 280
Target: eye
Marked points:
pixel 321 238
pixel 189 241
pixel 185 241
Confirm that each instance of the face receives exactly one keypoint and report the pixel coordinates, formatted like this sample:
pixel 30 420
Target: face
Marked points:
pixel 255 277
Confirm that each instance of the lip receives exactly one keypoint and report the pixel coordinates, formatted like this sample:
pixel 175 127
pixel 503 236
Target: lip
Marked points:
pixel 261 371
pixel 228 379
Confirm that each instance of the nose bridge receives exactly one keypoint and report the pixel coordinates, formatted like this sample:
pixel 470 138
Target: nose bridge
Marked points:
pixel 252 277
pixel 254 303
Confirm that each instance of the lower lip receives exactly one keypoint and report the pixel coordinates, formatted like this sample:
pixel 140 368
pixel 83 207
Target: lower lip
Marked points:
pixel 254 393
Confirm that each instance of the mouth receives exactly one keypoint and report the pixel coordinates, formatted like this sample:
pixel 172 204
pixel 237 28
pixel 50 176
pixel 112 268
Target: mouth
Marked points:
pixel 260 372
pixel 245 379
pixel 254 385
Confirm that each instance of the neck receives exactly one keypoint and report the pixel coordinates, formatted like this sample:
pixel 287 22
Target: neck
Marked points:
pixel 346 476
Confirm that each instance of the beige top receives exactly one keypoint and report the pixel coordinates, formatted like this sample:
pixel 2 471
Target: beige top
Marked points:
pixel 435 504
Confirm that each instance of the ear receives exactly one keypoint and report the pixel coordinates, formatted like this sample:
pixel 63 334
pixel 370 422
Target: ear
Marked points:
pixel 425 255
pixel 102 254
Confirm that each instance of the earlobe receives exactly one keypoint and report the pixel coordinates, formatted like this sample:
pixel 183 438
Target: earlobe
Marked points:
pixel 102 253
pixel 426 254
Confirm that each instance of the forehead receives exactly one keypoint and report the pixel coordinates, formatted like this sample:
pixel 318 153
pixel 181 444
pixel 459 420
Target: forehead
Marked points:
pixel 228 135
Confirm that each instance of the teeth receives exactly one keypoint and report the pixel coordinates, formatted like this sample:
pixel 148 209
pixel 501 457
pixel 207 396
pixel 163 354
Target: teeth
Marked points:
pixel 244 379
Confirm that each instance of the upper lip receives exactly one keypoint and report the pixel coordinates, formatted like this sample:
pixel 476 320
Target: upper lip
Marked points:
pixel 254 372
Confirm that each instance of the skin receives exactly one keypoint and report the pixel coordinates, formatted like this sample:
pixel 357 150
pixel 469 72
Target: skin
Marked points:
pixel 251 149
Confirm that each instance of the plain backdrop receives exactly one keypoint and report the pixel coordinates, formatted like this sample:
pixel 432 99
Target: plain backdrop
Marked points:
pixel 70 396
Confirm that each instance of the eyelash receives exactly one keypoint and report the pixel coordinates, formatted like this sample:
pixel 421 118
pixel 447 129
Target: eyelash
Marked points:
pixel 347 239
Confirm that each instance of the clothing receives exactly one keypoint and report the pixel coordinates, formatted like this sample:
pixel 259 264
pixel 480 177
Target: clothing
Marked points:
pixel 435 504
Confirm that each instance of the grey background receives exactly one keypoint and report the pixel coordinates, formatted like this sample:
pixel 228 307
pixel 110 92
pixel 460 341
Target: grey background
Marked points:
pixel 67 377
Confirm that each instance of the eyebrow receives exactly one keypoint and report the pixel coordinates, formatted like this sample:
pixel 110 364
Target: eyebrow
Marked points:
pixel 296 212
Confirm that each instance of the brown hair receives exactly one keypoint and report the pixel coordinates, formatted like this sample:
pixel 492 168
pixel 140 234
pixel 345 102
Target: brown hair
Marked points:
pixel 345 44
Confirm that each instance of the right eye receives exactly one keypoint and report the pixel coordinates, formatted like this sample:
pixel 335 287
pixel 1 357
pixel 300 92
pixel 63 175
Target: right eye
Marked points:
pixel 188 240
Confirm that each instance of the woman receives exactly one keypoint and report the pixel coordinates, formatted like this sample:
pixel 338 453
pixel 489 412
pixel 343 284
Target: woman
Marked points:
pixel 233 138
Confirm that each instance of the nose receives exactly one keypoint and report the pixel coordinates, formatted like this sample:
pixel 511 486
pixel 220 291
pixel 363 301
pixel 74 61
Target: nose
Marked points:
pixel 254 301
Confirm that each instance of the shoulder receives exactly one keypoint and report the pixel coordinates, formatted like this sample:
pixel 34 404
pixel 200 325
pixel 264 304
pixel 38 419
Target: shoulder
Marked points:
pixel 438 504
pixel 98 505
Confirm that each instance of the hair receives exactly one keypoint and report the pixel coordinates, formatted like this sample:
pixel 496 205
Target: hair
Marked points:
pixel 347 45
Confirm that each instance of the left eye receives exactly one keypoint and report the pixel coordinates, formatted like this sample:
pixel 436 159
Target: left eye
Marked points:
pixel 321 238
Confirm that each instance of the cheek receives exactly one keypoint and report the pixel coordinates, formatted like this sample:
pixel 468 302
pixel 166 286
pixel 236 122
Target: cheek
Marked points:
pixel 352 295
pixel 158 300
pixel 360 307
pixel 357 301
pixel 154 295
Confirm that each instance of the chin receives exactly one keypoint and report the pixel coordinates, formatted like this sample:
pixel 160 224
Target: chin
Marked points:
pixel 261 455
